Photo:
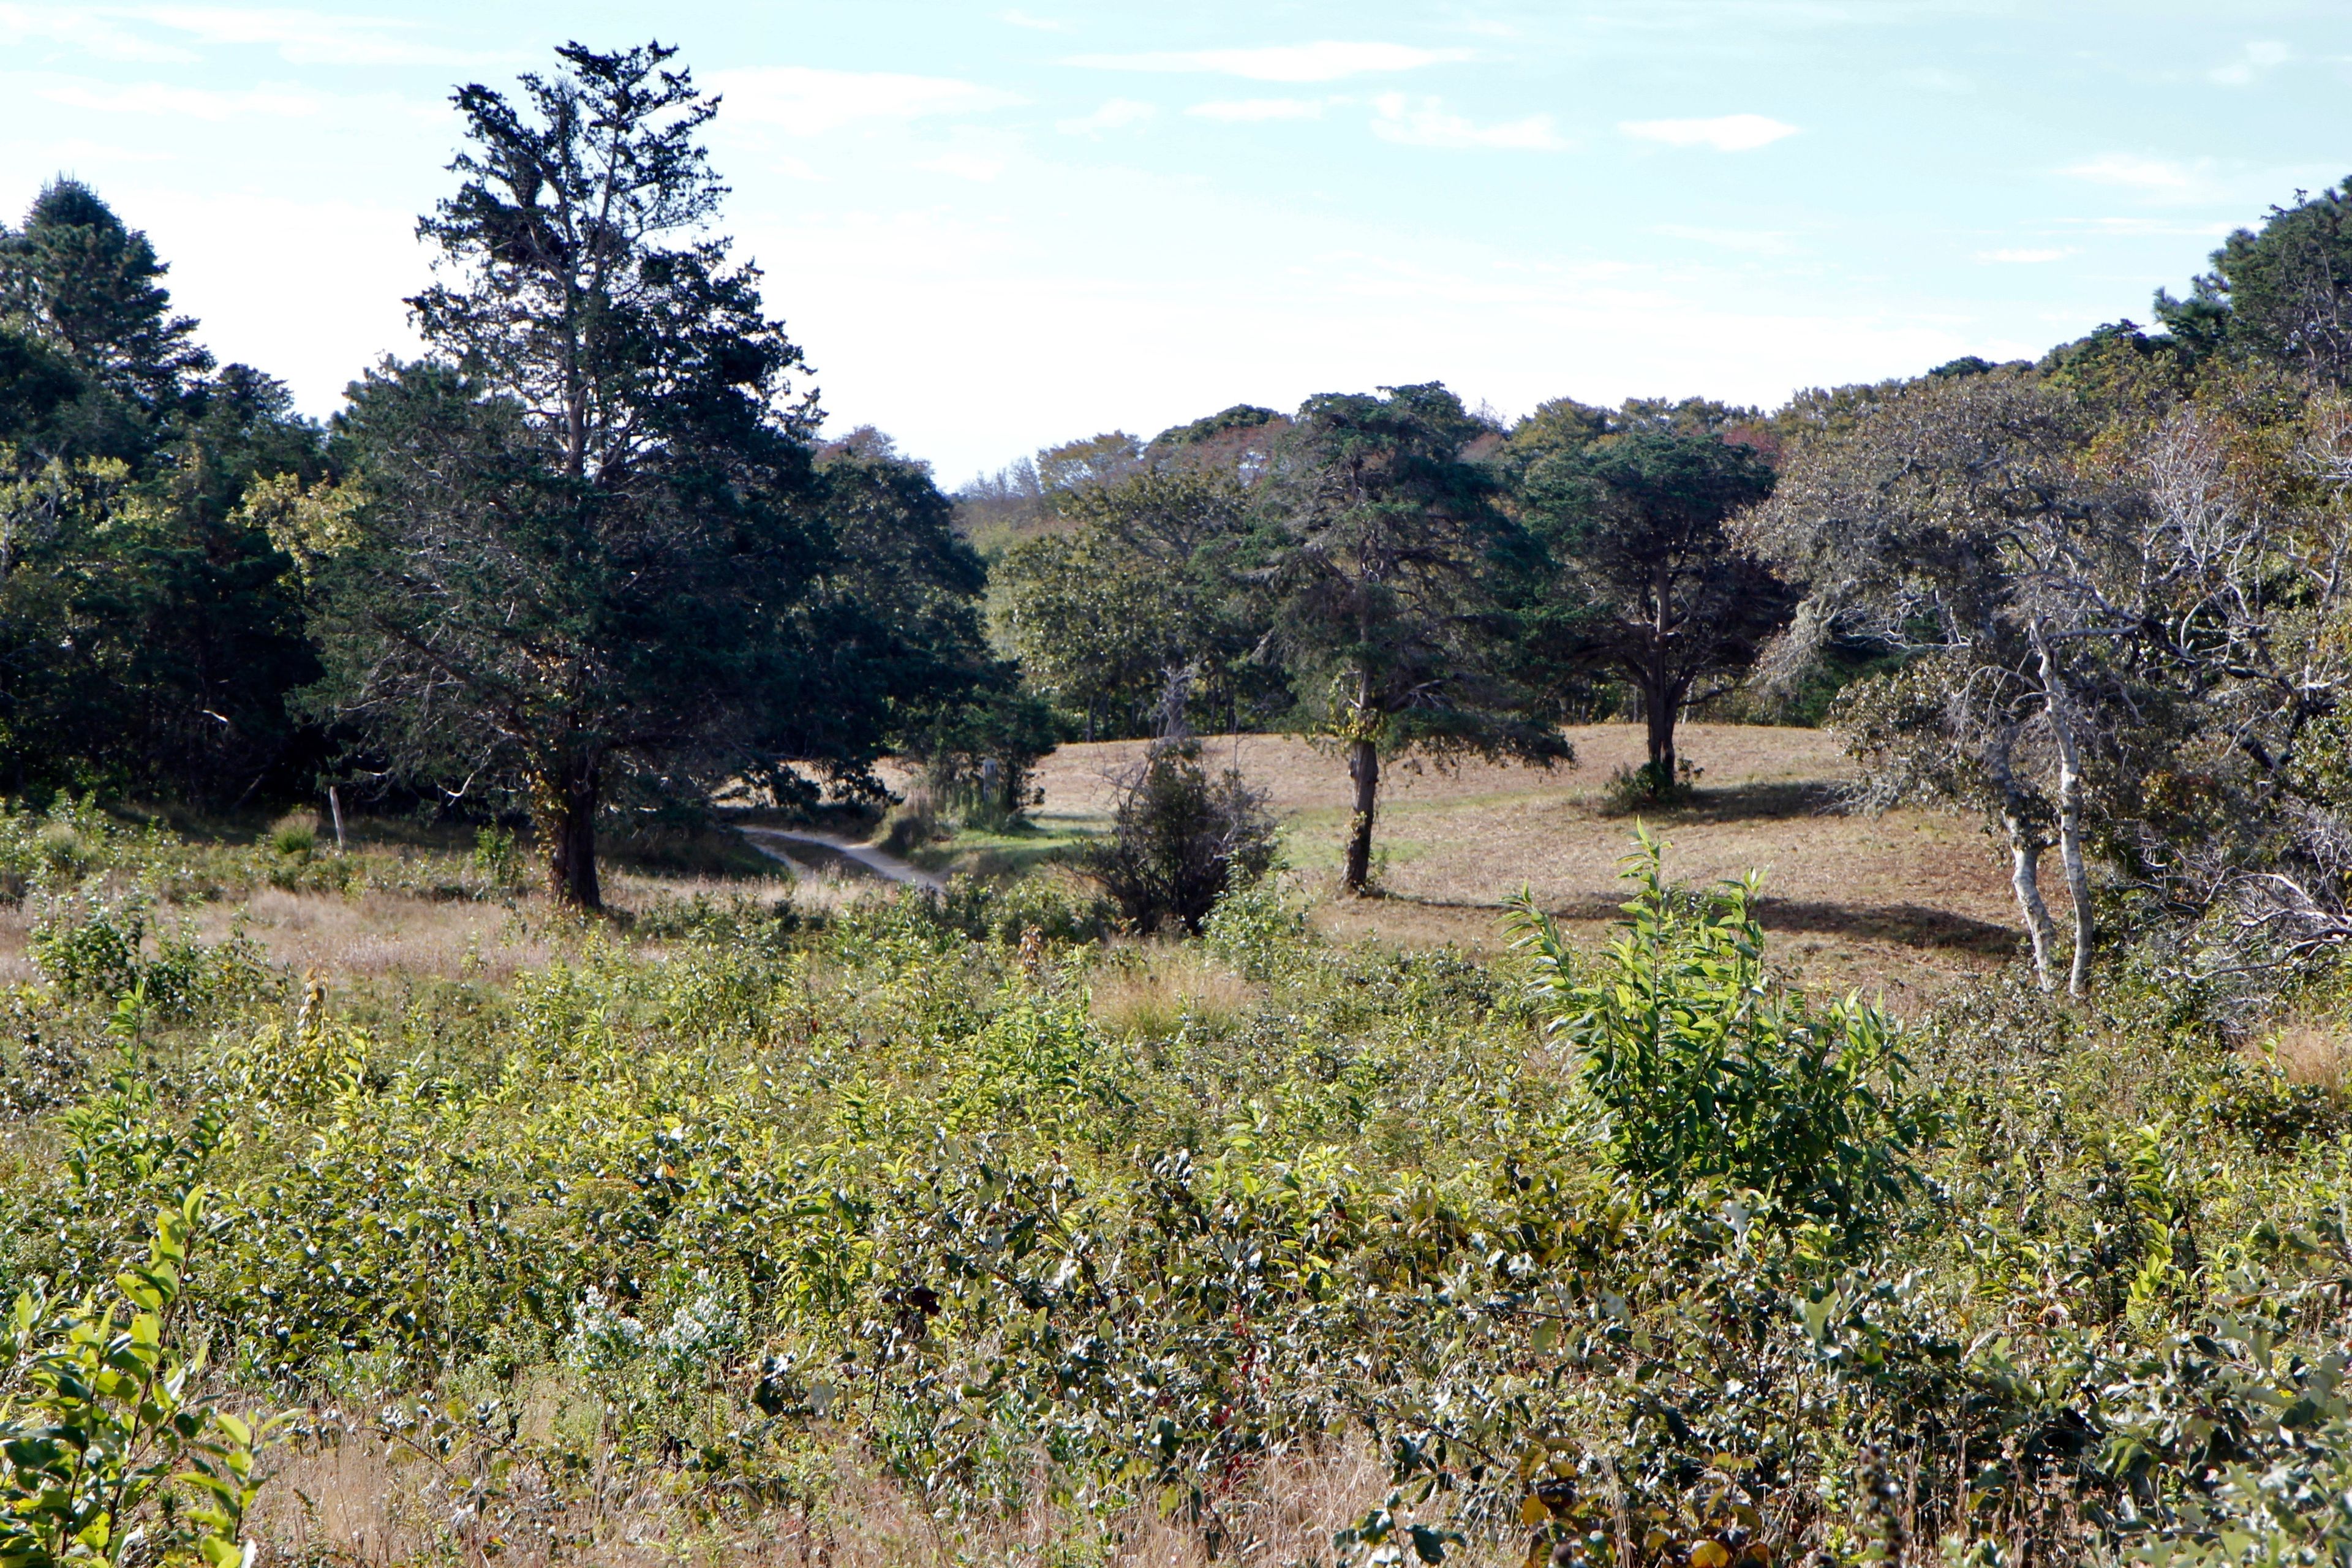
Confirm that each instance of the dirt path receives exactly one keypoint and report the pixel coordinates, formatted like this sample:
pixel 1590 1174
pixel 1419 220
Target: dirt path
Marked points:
pixel 880 862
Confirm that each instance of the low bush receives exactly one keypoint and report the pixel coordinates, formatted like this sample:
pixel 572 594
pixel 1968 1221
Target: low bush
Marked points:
pixel 294 836
pixel 910 826
pixel 1632 789
pixel 1708 1073
pixel 101 950
pixel 1179 839
pixel 497 858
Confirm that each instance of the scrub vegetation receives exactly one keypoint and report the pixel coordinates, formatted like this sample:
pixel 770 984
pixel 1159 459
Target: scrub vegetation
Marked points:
pixel 1462 991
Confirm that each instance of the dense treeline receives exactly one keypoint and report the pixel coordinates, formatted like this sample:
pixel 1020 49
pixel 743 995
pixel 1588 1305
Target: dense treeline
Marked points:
pixel 2099 597
pixel 586 556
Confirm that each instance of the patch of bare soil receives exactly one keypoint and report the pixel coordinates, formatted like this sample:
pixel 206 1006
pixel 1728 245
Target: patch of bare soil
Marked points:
pixel 1904 904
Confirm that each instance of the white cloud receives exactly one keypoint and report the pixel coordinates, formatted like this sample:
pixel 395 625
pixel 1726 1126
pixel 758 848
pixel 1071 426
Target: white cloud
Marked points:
pixel 191 102
pixel 80 29
pixel 1034 23
pixel 1725 133
pixel 75 152
pixel 2027 257
pixel 309 37
pixel 809 102
pixel 1424 123
pixel 1114 115
pixel 1242 110
pixel 2251 62
pixel 1326 61
pixel 315 305
pixel 2168 227
pixel 965 166
pixel 880 299
pixel 2150 176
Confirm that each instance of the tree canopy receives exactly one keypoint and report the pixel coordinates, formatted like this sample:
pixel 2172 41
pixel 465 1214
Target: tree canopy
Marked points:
pixel 1382 566
pixel 589 555
pixel 148 636
pixel 2283 291
pixel 1645 582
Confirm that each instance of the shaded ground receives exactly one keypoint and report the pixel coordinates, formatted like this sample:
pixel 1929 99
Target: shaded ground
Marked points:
pixel 1905 903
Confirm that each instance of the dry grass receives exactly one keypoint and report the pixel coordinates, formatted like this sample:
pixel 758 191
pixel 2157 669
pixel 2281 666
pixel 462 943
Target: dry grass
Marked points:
pixel 378 935
pixel 2310 1050
pixel 356 1502
pixel 1904 904
pixel 1146 989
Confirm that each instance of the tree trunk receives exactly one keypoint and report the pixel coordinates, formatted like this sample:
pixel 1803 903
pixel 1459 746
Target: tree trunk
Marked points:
pixel 1660 700
pixel 1175 699
pixel 2060 709
pixel 1658 712
pixel 569 828
pixel 2025 878
pixel 1364 767
pixel 2025 846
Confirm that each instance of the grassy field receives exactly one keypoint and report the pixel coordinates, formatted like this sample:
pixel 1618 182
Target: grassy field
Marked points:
pixel 1905 903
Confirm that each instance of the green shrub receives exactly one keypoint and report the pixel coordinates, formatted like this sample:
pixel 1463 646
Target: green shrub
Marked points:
pixel 1708 1073
pixel 294 836
pixel 740 920
pixel 107 1453
pixel 1255 929
pixel 98 953
pixel 93 958
pixel 55 847
pixel 1057 908
pixel 495 857
pixel 1179 838
pixel 1629 789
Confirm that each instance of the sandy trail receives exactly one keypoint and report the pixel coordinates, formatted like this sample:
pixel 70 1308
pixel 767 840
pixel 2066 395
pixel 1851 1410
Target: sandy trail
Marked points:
pixel 881 862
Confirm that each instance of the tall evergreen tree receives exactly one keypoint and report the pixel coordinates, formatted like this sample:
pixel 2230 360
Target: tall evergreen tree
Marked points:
pixel 594 561
pixel 1382 567
pixel 81 279
pixel 148 638
pixel 1646 585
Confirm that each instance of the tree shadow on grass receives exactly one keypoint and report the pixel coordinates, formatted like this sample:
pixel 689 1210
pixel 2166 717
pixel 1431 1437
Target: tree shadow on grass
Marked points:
pixel 1909 925
pixel 1759 802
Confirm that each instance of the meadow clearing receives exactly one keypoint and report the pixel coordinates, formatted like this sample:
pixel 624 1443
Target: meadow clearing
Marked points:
pixel 1903 902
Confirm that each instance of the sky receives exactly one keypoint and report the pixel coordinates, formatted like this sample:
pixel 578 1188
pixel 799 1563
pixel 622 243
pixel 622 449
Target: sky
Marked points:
pixel 994 229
